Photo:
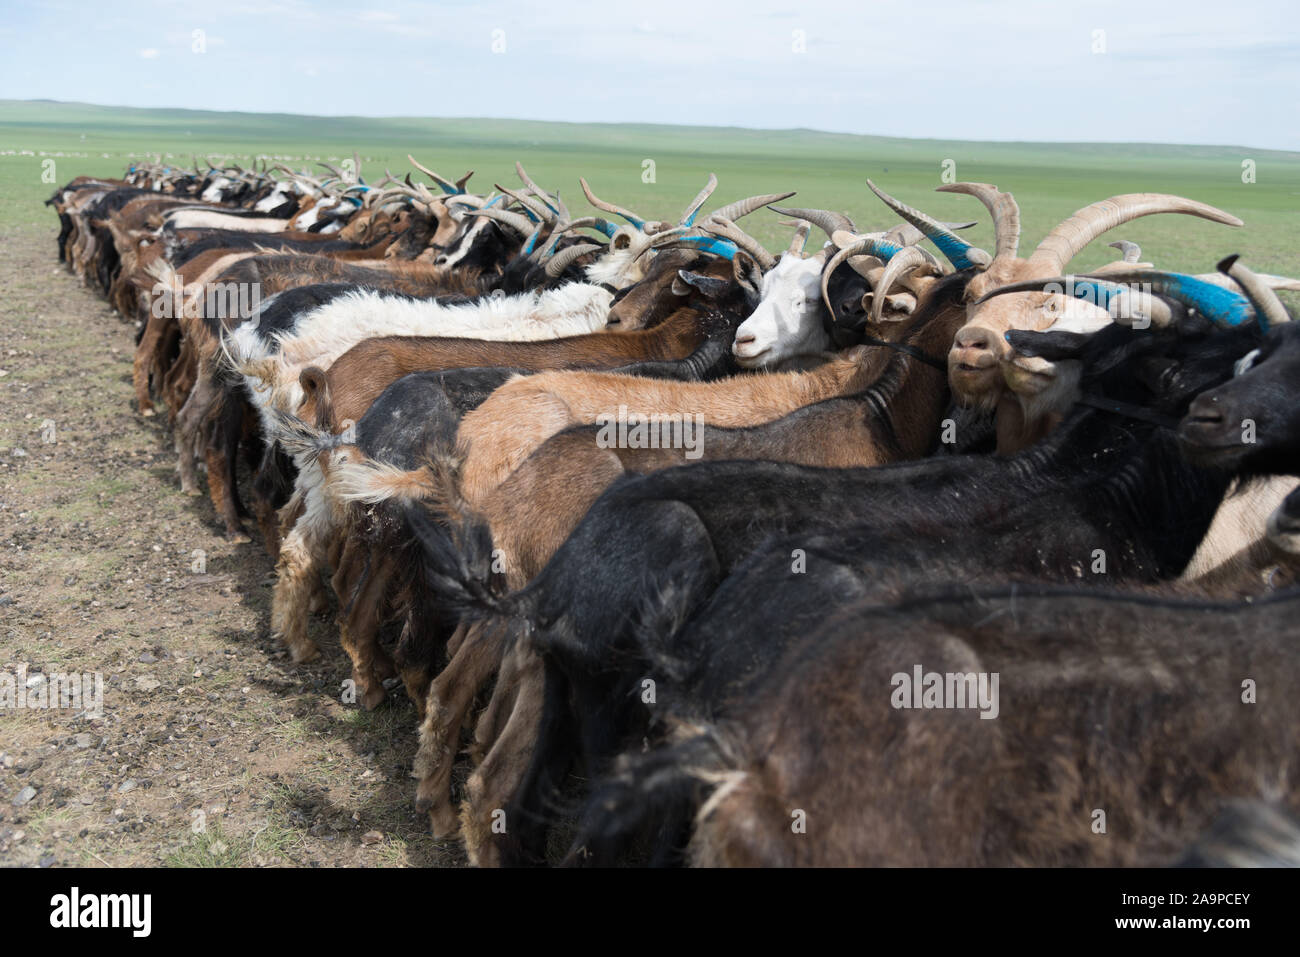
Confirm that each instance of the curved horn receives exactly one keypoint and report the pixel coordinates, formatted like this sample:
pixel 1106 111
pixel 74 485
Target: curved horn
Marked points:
pixel 540 193
pixel 1224 307
pixel 1267 305
pixel 594 222
pixel 743 207
pixel 564 258
pixel 1065 241
pixel 447 185
pixel 692 210
pixel 1220 305
pixel 540 210
pixel 904 261
pixel 799 241
pixel 531 241
pixel 729 230
pixel 1004 210
pixel 1129 252
pixel 957 251
pixel 520 224
pixel 824 219
pixel 627 214
pixel 683 236
pixel 905 234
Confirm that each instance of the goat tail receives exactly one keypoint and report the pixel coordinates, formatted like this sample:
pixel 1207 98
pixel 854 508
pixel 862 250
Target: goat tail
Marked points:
pixel 462 568
pixel 369 482
pixel 161 271
pixel 261 374
pixel 305 442
pixel 652 798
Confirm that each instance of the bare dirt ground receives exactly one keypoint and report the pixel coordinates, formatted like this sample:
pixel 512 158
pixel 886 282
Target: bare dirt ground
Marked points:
pixel 212 749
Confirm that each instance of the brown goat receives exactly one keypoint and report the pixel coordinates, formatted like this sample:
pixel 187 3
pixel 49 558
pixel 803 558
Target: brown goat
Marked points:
pixel 1109 707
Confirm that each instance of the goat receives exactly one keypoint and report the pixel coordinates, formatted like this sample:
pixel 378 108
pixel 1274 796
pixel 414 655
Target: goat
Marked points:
pixel 1109 702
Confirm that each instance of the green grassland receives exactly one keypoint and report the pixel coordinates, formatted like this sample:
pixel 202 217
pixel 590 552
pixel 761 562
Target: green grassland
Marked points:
pixel 828 170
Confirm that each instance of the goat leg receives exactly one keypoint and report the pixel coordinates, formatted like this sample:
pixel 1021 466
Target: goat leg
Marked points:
pixel 450 696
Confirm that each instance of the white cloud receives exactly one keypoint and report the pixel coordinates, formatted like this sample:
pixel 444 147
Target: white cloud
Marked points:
pixel 148 53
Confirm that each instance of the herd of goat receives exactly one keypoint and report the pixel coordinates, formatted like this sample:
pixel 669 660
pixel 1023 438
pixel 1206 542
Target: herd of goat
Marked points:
pixel 722 557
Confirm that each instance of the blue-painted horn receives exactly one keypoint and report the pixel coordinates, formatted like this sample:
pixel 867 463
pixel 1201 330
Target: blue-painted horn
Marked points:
pixel 957 251
pixel 1221 306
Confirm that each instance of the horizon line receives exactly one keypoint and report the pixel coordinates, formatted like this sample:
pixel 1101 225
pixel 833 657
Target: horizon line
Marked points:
pixel 683 126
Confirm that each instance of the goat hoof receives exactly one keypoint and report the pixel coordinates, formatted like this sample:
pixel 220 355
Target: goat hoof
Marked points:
pixel 444 822
pixel 237 536
pixel 301 654
pixel 148 412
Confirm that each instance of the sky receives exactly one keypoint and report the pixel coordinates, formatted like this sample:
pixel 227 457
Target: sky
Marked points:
pixel 1166 71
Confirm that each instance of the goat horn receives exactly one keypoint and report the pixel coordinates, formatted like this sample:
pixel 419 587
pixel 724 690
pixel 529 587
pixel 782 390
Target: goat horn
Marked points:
pixel 521 224
pixel 1267 305
pixel 540 210
pixel 630 216
pixel 465 199
pixel 338 173
pixel 1219 304
pixel 566 257
pixel 595 222
pixel 1129 252
pixel 799 241
pixel 460 183
pixel 531 241
pixel 1004 210
pixel 693 209
pixel 905 260
pixel 829 223
pixel 905 234
pixel 743 207
pixel 725 228
pixel 683 236
pixel 1065 241
pixel 447 185
pixel 1225 307
pixel 540 193
pixel 957 251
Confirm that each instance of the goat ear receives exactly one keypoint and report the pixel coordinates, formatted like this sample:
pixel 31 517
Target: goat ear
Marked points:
pixel 1052 346
pixel 685 281
pixel 746 270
